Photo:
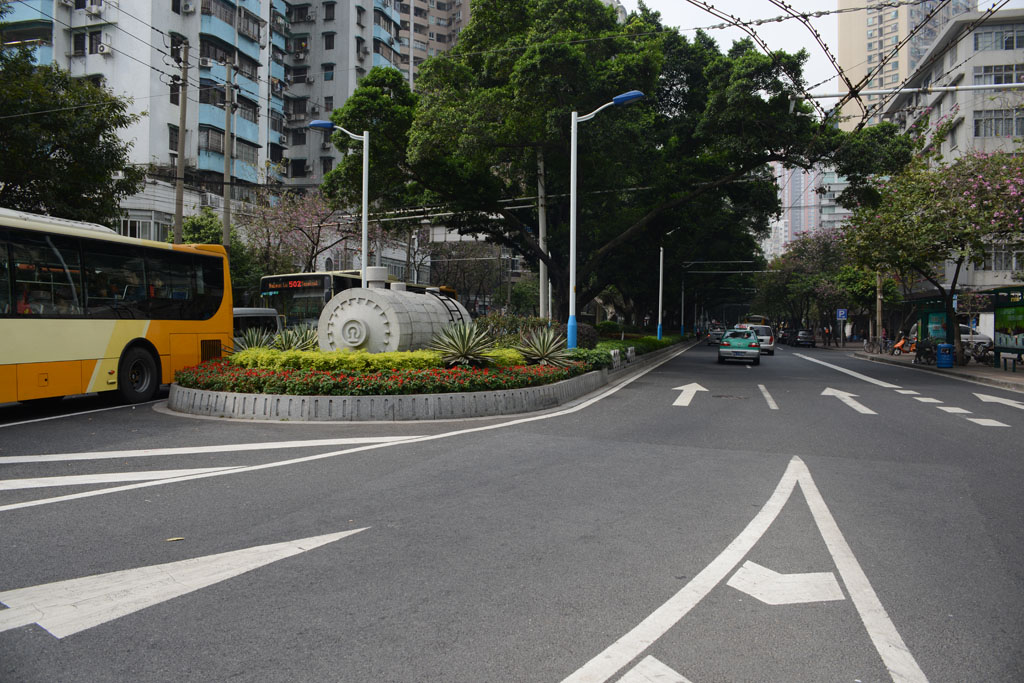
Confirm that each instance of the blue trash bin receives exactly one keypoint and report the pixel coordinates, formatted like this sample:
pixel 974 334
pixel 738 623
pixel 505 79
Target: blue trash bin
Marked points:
pixel 944 359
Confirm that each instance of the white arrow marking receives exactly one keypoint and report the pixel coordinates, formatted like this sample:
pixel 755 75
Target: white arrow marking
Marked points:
pixel 1005 401
pixel 107 478
pixel 847 398
pixel 902 666
pixel 773 588
pixel 67 607
pixel 689 391
pixel 650 670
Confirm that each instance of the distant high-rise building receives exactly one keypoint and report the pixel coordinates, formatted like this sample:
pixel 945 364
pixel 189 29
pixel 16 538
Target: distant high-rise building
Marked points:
pixel 869 32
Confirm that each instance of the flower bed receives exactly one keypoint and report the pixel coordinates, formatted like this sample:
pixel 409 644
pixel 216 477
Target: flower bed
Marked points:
pixel 221 375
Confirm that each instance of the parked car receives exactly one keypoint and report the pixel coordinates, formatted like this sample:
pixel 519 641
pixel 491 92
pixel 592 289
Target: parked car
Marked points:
pixel 803 338
pixel 740 345
pixel 766 336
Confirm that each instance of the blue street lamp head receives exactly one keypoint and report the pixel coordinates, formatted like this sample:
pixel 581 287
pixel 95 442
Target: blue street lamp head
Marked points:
pixel 327 125
pixel 625 98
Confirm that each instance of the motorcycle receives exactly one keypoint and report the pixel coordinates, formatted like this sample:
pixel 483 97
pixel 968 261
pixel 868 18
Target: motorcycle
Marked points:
pixel 904 345
pixel 981 352
pixel 925 353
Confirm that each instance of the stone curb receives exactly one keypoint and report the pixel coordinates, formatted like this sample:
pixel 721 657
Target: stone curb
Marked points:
pixel 396 408
pixel 961 374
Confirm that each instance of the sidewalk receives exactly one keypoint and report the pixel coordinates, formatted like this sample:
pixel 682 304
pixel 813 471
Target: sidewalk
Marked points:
pixel 983 374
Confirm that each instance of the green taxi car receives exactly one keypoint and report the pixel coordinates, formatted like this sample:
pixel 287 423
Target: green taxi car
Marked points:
pixel 740 345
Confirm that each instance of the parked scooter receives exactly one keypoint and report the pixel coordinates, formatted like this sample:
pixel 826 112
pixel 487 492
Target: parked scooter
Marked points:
pixel 981 352
pixel 904 345
pixel 925 352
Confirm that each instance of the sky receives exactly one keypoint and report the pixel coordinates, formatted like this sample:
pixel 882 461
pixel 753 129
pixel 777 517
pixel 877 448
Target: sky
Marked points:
pixel 789 35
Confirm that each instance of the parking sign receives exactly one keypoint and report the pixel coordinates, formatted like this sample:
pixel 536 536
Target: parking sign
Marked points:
pixel 840 314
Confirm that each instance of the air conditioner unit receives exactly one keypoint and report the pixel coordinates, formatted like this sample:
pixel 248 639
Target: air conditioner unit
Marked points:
pixel 299 56
pixel 188 7
pixel 104 49
pixel 210 199
pixel 326 145
pixel 94 10
pixel 314 110
pixel 283 139
pixel 364 50
pixel 68 3
pixel 206 62
pixel 309 79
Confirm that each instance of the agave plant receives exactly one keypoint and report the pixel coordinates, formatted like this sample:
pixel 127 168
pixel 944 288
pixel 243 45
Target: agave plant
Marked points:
pixel 252 338
pixel 545 346
pixel 463 344
pixel 300 338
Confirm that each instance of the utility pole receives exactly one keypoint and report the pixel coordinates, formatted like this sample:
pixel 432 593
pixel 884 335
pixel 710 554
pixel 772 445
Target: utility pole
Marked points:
pixel 179 184
pixel 228 111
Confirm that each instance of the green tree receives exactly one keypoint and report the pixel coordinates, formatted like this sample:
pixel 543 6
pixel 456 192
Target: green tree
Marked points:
pixel 60 143
pixel 934 216
pixel 205 228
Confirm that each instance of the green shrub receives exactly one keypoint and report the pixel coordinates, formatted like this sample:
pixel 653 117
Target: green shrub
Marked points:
pixel 544 346
pixel 505 358
pixel 252 338
pixel 463 344
pixel 586 335
pixel 607 328
pixel 507 330
pixel 594 358
pixel 336 361
pixel 299 338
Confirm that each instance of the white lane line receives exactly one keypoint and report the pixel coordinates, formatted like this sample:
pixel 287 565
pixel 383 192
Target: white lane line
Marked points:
pixel 358 449
pixel 955 411
pixel 768 397
pixel 110 478
pixel 986 422
pixel 925 399
pixel 67 607
pixel 84 412
pixel 906 392
pixel 190 450
pixel 650 670
pixel 851 373
pixel 895 655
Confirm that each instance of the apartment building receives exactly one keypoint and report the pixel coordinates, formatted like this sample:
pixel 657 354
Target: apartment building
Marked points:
pixel 987 121
pixel 809 200
pixel 869 32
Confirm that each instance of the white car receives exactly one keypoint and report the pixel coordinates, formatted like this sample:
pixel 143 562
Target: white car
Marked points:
pixel 765 335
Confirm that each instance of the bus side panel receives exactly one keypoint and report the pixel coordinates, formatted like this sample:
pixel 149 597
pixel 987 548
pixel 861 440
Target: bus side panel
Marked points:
pixel 184 352
pixel 101 374
pixel 8 383
pixel 42 380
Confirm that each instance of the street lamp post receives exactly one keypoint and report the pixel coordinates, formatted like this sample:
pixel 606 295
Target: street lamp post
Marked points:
pixel 618 100
pixel 365 139
pixel 661 284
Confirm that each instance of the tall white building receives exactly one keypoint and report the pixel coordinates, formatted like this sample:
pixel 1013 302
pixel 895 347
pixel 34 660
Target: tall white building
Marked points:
pixel 869 31
pixel 983 120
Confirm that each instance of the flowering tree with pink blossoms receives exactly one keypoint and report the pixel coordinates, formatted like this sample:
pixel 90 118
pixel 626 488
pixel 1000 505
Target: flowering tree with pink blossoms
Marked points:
pixel 933 215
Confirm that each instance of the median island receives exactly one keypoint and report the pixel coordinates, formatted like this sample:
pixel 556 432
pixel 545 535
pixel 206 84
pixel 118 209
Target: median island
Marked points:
pixel 465 373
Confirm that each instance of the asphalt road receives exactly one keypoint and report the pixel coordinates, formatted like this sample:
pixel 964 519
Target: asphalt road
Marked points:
pixel 699 522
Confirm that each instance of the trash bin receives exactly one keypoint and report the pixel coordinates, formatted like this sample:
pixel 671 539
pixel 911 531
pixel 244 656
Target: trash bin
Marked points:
pixel 944 359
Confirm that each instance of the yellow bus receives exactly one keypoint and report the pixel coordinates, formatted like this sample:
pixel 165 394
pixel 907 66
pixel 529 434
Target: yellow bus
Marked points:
pixel 83 309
